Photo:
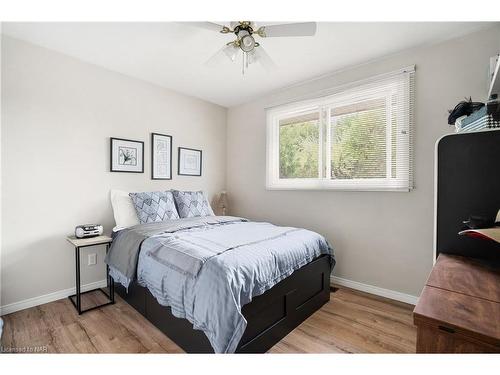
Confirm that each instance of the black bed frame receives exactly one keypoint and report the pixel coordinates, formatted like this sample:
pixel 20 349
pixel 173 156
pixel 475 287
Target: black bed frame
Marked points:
pixel 270 316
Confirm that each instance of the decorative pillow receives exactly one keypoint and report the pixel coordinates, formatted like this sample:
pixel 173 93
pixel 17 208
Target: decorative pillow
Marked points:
pixel 192 203
pixel 123 210
pixel 154 206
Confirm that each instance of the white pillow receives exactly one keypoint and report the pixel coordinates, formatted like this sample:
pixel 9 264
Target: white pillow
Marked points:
pixel 123 210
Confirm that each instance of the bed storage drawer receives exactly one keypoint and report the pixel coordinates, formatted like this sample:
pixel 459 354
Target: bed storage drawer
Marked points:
pixel 275 313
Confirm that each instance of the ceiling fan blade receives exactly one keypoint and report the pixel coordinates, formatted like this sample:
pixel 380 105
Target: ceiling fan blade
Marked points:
pixel 260 55
pixel 228 52
pixel 289 29
pixel 208 26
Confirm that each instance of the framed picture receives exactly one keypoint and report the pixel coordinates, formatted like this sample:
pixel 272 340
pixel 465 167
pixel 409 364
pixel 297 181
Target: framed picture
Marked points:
pixel 161 156
pixel 189 163
pixel 127 155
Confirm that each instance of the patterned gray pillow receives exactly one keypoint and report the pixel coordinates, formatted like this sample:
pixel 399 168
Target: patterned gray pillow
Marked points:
pixel 192 203
pixel 154 206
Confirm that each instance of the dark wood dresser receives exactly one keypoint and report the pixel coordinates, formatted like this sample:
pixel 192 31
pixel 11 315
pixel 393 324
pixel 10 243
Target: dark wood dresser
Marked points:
pixel 459 308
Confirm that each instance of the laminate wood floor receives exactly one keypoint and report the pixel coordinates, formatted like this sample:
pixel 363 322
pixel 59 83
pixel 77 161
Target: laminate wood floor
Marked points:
pixel 352 322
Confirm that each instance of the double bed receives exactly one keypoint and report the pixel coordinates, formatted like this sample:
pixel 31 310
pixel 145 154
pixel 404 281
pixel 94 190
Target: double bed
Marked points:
pixel 219 283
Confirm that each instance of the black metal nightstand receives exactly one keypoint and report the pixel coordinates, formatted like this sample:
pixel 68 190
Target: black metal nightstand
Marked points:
pixel 76 299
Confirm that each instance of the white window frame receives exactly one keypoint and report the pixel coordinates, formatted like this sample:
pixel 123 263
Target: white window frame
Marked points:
pixel 403 182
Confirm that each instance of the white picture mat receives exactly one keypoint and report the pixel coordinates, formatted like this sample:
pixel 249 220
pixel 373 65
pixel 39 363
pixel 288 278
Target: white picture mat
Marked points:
pixel 189 162
pixel 162 156
pixel 132 149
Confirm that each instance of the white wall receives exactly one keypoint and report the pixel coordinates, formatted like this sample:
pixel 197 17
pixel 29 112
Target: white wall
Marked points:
pixel 1 183
pixel 57 116
pixel 380 238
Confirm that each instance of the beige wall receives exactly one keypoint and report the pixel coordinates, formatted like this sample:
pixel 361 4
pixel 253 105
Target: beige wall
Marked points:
pixel 380 238
pixel 57 117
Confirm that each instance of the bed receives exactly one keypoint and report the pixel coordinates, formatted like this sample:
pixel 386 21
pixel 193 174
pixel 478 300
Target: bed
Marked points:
pixel 271 316
pixel 219 283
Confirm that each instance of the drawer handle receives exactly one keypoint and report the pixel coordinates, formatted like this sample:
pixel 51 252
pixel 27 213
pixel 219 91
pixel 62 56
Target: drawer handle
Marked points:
pixel 446 329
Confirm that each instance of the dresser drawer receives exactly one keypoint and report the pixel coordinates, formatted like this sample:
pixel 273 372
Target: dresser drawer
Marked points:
pixel 441 339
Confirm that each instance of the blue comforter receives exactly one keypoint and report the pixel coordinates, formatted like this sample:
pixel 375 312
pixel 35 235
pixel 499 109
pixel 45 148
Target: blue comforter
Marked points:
pixel 206 270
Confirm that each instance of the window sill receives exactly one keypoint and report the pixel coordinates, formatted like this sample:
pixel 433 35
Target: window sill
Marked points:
pixel 324 185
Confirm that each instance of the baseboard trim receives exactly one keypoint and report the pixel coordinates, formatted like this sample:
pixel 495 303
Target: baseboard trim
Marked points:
pixel 35 301
pixel 387 293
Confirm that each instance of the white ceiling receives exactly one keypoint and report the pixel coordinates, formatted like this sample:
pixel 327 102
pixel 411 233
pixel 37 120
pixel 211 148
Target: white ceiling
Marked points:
pixel 172 54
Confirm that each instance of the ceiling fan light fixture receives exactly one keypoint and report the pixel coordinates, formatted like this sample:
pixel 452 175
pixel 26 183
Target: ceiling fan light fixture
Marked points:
pixel 231 51
pixel 226 30
pixel 245 32
pixel 251 57
pixel 247 43
pixel 261 32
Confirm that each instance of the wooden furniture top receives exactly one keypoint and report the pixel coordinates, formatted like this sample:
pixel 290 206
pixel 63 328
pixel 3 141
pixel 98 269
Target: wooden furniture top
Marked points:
pixel 464 295
pixel 81 242
pixel 467 276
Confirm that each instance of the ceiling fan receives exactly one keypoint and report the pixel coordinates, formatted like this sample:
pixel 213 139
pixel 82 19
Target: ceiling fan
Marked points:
pixel 245 32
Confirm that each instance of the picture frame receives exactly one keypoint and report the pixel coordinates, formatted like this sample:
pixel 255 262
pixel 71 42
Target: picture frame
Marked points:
pixel 126 155
pixel 161 156
pixel 189 162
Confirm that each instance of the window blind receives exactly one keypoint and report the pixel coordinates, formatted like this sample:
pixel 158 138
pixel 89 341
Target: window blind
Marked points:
pixel 359 138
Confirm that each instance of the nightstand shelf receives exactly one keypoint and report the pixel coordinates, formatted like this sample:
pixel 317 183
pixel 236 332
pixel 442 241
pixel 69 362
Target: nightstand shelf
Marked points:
pixel 76 299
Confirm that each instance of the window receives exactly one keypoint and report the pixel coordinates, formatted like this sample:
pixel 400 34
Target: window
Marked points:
pixel 358 138
pixel 299 146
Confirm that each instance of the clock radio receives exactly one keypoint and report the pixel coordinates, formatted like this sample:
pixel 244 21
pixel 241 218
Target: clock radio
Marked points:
pixel 88 230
